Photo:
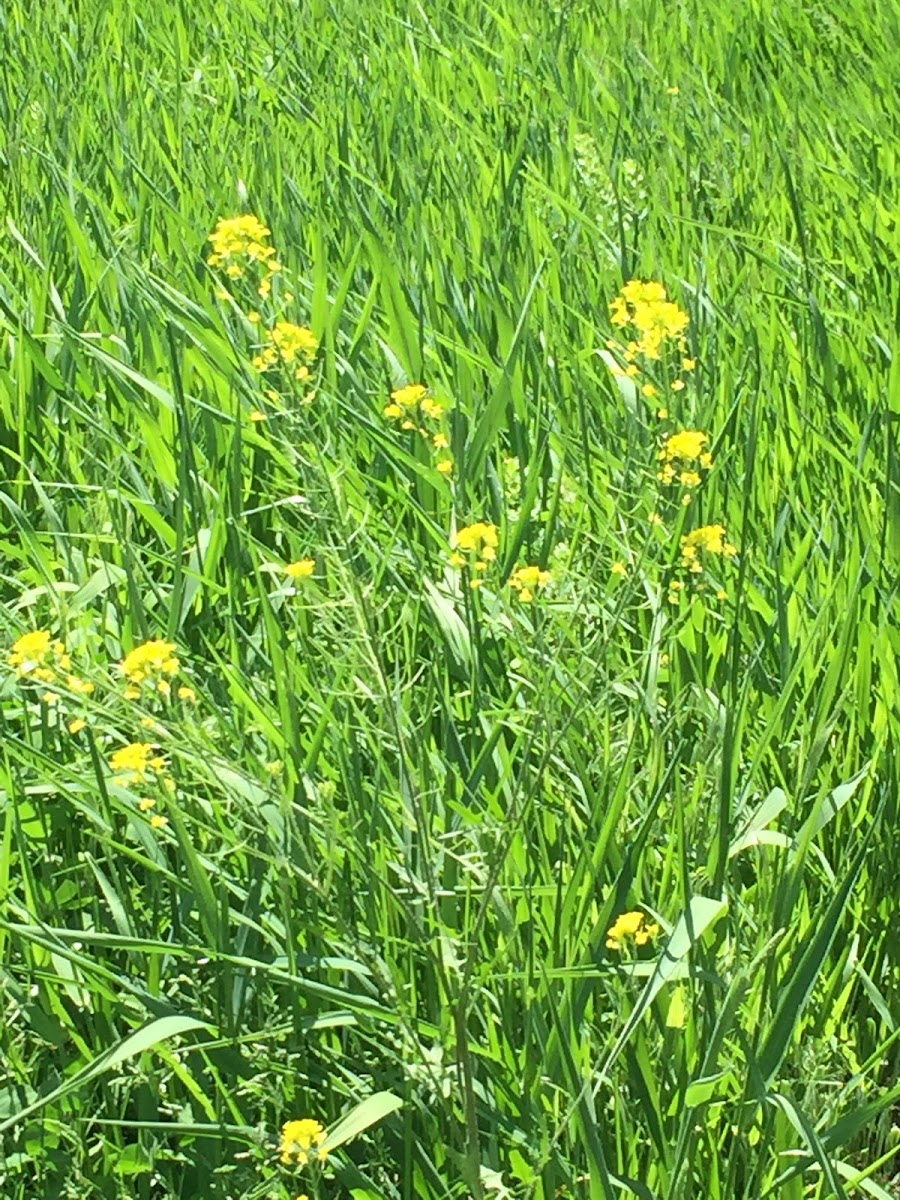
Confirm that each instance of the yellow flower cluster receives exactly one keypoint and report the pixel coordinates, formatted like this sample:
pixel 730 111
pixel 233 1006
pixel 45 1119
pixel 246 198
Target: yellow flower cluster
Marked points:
pixel 290 345
pixel 708 539
pixel 38 657
pixel 298 1138
pixel 681 456
pixel 527 580
pixel 630 926
pixel 134 763
pixel 475 546
pixel 154 663
pixel 302 569
pixel 413 407
pixel 684 455
pixel 656 319
pixel 139 762
pixel 241 242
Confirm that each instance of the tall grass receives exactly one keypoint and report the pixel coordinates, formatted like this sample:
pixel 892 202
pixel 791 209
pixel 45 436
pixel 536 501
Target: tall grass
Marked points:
pixel 408 812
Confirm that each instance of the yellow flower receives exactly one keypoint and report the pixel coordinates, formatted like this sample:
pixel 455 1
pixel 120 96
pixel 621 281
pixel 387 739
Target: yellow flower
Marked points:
pixel 77 725
pixel 409 396
pixel 630 926
pixel 302 569
pixel 445 466
pixel 649 390
pixel 440 441
pixel 258 415
pixel 479 541
pixel 708 539
pixel 188 695
pixel 527 580
pixel 688 364
pixel 432 409
pixel 239 241
pixel 393 411
pixel 619 568
pixel 672 91
pixel 678 455
pixel 663 414
pixel 647 309
pixel 292 342
pixel 678 385
pixel 147 662
pixel 688 444
pixel 298 1138
pixel 81 687
pixel 146 804
pixel 135 762
pixel 253 317
pixel 39 655
pixel 157 822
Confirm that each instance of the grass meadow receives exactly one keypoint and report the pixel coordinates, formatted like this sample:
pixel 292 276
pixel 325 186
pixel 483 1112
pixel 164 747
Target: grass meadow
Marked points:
pixel 448 620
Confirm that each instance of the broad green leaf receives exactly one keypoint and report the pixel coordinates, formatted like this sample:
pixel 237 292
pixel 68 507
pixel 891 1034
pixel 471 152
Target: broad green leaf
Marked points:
pixel 367 1112
pixel 136 1043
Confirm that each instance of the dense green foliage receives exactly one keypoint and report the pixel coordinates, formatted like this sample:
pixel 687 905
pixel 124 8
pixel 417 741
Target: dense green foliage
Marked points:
pixel 405 811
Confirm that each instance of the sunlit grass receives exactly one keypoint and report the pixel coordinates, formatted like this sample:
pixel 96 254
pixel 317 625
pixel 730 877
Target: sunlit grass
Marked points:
pixel 517 732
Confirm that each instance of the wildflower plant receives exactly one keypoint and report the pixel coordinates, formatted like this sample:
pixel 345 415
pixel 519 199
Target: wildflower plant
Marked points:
pixel 289 346
pixel 655 319
pixel 300 1139
pixel 415 409
pixel 285 349
pixel 39 657
pixel 630 927
pixel 699 551
pixel 303 568
pixel 151 666
pixel 652 325
pixel 474 550
pixel 683 457
pixel 527 581
pixel 608 197
pixel 241 249
pixel 698 546
pixel 136 762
